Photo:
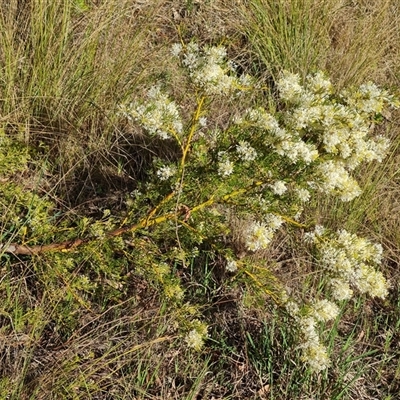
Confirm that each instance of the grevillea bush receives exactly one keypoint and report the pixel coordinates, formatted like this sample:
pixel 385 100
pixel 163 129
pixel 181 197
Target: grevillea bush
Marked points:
pixel 263 167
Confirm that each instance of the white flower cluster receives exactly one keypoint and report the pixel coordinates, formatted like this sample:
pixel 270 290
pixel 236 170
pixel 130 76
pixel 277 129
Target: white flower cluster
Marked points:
pixel 166 172
pixel 316 356
pixel 195 337
pixel 369 98
pixel 246 152
pixel 289 87
pixel 342 128
pixel 225 165
pixel 194 340
pixel 332 130
pixel 231 266
pixel 259 234
pixel 284 142
pixel 303 194
pixel 335 179
pixel 260 118
pixel 159 115
pixel 210 70
pixel 313 352
pixel 279 188
pixel 325 310
pixel 349 261
pixel 203 122
pixel 316 90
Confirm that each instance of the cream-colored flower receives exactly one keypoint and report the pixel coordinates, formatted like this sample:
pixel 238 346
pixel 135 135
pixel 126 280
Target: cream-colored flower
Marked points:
pixel 308 329
pixel 303 194
pixel 316 356
pixel 289 87
pixel 274 221
pixel 176 49
pixel 194 340
pixel 225 167
pixel 279 188
pixel 341 289
pixel 370 281
pixel 292 308
pixel 158 115
pixel 334 179
pixel 246 152
pixel 231 266
pixel 166 172
pixel 258 236
pixel 325 310
pixel 210 70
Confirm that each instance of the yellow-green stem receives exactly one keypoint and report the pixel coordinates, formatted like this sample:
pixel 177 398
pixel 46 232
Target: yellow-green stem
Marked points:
pixel 192 131
pixel 261 286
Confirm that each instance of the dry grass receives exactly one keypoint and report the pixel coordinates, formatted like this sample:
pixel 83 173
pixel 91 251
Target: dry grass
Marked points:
pixel 363 43
pixel 353 42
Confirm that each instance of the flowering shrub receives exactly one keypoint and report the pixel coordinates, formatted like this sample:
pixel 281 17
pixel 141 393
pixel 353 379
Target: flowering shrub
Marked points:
pixel 264 166
pixel 349 261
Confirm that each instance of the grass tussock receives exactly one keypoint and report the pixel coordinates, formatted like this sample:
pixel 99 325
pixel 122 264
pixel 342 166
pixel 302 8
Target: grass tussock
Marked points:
pixel 289 35
pixel 354 43
pixel 107 320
